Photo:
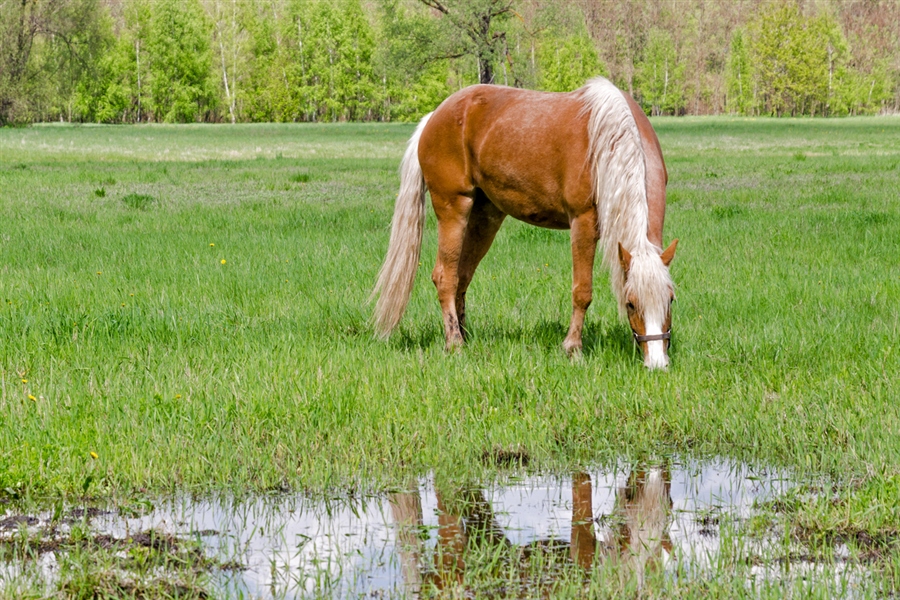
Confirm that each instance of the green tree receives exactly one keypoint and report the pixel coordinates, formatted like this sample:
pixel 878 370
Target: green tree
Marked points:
pixel 118 92
pixel 660 75
pixel 794 58
pixel 344 86
pixel 271 92
pixel 739 84
pixel 46 48
pixel 229 49
pixel 413 80
pixel 180 62
pixel 109 96
pixel 566 63
pixel 476 28
pixel 314 62
pixel 859 92
pixel 159 68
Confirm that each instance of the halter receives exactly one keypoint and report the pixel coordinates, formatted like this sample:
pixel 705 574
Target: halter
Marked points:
pixel 651 338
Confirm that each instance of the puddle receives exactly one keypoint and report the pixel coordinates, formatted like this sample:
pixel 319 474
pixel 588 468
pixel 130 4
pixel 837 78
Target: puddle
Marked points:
pixel 392 545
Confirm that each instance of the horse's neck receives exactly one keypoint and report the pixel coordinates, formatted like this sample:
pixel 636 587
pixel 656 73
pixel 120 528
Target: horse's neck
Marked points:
pixel 656 196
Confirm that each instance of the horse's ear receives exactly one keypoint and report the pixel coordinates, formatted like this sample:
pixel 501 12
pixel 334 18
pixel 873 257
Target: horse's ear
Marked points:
pixel 669 253
pixel 624 258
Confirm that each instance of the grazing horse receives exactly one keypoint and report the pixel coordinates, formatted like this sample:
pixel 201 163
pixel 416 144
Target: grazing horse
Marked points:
pixel 587 161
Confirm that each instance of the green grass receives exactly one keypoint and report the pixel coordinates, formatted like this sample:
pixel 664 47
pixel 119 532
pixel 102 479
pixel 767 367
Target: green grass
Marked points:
pixel 143 565
pixel 138 343
pixel 189 303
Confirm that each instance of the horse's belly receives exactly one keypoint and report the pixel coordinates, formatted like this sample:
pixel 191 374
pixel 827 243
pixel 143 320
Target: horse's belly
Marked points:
pixel 525 208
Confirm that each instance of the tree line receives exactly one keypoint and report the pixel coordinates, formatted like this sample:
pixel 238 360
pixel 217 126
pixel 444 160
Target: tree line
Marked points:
pixel 127 61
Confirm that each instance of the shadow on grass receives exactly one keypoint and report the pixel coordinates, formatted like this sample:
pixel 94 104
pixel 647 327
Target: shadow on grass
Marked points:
pixel 597 338
pixel 419 339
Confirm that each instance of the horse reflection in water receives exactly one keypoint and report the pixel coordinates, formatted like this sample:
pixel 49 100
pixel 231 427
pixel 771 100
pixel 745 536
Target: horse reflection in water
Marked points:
pixel 632 539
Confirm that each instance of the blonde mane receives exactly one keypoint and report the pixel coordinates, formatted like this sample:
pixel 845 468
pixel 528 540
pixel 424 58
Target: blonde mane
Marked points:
pixel 618 177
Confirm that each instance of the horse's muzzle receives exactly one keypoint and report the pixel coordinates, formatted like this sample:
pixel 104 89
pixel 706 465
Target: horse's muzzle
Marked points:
pixel 658 357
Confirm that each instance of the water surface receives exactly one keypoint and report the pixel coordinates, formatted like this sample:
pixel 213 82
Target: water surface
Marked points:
pixel 658 516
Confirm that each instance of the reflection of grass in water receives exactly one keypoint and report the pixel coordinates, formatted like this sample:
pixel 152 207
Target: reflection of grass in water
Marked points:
pixel 546 570
pixel 148 564
pixel 263 373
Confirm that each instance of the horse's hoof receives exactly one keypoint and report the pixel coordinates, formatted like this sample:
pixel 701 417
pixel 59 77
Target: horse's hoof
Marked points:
pixel 454 345
pixel 573 352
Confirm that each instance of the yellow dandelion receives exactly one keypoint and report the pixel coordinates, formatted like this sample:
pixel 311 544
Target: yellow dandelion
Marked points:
pixel 99 272
pixel 177 396
pixel 222 261
pixel 24 381
pixel 32 398
pixel 94 455
pixel 132 295
pixel 123 304
pixel 212 245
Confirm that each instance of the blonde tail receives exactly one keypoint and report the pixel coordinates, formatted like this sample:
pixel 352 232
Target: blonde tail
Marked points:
pixel 395 280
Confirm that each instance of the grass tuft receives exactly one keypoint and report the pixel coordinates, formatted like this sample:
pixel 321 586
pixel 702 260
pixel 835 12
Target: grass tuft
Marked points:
pixel 137 201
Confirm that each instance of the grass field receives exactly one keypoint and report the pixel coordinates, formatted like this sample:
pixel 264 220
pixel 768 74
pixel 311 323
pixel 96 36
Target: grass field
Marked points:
pixel 185 308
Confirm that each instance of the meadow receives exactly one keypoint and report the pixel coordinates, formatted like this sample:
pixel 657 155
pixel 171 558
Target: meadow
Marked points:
pixel 185 309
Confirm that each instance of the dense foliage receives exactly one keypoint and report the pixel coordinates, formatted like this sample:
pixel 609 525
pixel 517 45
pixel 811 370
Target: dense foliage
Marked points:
pixel 117 61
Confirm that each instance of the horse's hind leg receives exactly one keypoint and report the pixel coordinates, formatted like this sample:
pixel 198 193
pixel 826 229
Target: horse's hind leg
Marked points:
pixel 584 246
pixel 484 222
pixel 453 217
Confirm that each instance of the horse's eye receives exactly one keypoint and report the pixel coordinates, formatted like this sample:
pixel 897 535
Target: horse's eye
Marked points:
pixel 630 306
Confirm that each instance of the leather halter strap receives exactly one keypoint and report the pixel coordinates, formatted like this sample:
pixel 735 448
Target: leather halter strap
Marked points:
pixel 652 338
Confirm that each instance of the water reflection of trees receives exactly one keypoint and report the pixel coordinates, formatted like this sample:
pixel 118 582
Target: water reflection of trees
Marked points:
pixel 632 541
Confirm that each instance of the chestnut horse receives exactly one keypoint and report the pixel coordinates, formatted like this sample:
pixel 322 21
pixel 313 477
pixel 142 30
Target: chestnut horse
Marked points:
pixel 587 161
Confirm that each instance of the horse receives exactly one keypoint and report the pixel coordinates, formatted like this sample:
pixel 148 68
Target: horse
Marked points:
pixel 588 161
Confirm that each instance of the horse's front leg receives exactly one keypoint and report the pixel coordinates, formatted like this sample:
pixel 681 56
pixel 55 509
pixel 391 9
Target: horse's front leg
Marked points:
pixel 584 247
pixel 453 216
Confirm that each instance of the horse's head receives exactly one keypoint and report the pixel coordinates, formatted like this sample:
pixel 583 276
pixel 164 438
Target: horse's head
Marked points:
pixel 648 294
